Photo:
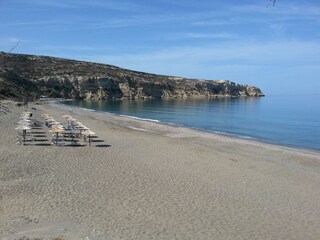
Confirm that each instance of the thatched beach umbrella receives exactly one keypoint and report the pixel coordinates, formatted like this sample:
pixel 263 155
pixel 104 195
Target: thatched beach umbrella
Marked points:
pixel 57 125
pixel 25 117
pixel 50 121
pixel 81 127
pixel 24 122
pixel 66 117
pixel 88 133
pixel 49 118
pixel 71 120
pixel 23 127
pixel 56 131
pixel 22 116
pixel 26 114
pixel 45 115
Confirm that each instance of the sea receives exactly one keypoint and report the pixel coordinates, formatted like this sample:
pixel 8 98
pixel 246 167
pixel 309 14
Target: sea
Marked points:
pixel 292 121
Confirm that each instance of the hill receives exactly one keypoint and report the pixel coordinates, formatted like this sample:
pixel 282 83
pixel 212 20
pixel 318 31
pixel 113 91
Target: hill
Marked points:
pixel 28 76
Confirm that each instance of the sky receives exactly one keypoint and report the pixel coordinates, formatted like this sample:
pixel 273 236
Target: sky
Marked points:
pixel 276 48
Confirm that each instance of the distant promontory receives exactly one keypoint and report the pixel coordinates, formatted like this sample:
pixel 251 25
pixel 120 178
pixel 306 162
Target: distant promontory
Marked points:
pixel 29 76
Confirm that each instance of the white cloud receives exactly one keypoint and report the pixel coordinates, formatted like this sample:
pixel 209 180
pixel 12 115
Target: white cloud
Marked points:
pixel 283 12
pixel 76 4
pixel 204 35
pixel 201 61
pixel 238 14
pixel 46 3
pixel 30 23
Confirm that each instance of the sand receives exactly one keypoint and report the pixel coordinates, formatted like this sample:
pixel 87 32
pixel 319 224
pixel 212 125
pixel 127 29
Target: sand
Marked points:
pixel 153 181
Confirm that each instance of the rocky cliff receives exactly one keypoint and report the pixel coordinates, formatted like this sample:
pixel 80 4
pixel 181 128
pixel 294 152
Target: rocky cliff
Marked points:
pixel 28 76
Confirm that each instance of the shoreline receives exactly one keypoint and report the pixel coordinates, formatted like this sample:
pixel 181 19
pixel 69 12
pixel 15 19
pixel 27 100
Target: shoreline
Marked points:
pixel 199 131
pixel 153 181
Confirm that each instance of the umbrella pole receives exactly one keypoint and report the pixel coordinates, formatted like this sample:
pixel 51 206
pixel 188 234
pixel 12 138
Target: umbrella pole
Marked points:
pixel 24 136
pixel 89 141
pixel 56 138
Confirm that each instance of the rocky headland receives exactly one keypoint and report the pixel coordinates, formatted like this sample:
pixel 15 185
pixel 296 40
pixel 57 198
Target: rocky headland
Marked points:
pixel 29 76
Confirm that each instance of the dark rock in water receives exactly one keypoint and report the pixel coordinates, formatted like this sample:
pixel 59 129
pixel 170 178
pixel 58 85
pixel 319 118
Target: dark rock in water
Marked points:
pixel 28 76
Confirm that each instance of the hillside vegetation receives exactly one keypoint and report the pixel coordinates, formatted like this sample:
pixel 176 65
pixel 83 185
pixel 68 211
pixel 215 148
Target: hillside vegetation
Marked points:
pixel 29 76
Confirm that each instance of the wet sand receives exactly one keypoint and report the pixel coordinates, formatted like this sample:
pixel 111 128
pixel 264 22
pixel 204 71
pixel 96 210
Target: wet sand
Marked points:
pixel 153 181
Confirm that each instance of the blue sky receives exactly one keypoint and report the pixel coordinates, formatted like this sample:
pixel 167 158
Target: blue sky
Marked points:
pixel 275 48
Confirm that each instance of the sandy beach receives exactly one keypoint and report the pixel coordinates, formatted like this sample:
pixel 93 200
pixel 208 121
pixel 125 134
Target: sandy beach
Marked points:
pixel 153 181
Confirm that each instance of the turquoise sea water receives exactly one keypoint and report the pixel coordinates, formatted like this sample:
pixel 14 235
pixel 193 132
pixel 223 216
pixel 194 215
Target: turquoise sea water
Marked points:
pixel 285 120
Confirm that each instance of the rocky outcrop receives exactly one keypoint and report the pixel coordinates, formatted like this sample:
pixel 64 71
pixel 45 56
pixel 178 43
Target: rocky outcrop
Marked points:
pixel 65 78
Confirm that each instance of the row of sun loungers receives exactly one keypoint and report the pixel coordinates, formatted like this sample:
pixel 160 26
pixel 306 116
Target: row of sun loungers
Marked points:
pixel 72 133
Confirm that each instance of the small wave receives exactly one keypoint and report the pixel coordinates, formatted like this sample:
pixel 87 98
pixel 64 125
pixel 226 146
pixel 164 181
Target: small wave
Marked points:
pixel 76 107
pixel 137 129
pixel 86 109
pixel 246 137
pixel 230 134
pixel 141 119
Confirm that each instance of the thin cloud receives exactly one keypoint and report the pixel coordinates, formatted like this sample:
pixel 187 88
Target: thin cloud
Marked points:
pixel 72 48
pixel 111 5
pixel 31 23
pixel 136 20
pixel 115 5
pixel 179 60
pixel 52 4
pixel 286 9
pixel 197 35
pixel 218 21
pixel 246 14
